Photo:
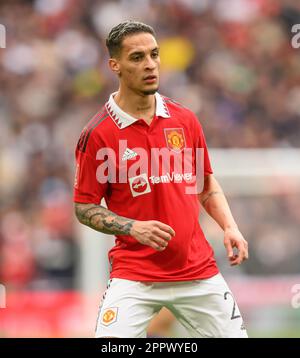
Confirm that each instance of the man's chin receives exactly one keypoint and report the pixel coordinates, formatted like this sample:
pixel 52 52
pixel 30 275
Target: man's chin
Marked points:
pixel 150 91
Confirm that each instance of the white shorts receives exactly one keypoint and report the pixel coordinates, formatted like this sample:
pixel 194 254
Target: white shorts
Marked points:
pixel 206 308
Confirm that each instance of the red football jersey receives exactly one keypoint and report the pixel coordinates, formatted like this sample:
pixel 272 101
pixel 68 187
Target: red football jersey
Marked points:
pixel 147 172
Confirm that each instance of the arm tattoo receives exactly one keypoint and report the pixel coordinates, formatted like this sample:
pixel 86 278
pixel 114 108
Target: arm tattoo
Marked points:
pixel 208 196
pixel 101 219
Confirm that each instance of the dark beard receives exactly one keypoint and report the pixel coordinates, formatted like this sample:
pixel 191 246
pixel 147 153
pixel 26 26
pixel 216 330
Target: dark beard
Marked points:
pixel 150 92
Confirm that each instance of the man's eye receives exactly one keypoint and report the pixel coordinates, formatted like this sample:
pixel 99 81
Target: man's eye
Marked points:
pixel 136 58
pixel 155 54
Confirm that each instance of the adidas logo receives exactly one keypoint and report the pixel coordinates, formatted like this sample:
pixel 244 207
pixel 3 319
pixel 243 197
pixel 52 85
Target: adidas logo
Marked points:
pixel 129 154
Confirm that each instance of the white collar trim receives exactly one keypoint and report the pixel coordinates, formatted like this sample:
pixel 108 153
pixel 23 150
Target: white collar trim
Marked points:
pixel 123 119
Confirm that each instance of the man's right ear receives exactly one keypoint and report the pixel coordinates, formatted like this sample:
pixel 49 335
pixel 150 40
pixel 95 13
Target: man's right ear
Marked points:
pixel 114 65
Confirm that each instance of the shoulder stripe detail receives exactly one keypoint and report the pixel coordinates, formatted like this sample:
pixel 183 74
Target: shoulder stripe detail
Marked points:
pixel 96 117
pixel 83 140
pixel 169 100
pixel 101 119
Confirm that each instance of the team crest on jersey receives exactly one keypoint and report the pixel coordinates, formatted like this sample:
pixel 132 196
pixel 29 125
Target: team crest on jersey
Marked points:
pixel 175 139
pixel 109 316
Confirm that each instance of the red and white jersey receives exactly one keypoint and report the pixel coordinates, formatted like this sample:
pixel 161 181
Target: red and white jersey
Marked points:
pixel 145 172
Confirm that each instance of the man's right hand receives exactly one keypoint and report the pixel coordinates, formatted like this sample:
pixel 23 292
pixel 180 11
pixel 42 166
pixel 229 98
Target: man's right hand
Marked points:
pixel 152 233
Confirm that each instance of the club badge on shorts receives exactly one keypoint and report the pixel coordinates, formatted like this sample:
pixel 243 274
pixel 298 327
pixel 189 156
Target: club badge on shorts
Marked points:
pixel 109 316
pixel 175 139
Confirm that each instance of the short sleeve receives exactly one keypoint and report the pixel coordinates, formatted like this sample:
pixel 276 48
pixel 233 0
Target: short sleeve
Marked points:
pixel 200 142
pixel 87 189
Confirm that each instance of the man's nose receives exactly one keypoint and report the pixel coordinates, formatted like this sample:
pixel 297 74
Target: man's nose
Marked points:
pixel 150 63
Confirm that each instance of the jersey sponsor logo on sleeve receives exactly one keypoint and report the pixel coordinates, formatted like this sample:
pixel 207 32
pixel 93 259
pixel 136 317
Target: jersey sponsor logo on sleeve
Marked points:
pixel 109 316
pixel 175 139
pixel 139 185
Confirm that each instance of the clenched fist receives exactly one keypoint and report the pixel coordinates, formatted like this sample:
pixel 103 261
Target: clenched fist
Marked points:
pixel 152 233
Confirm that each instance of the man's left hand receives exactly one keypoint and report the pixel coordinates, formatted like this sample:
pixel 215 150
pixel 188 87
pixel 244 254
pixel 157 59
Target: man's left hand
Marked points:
pixel 234 239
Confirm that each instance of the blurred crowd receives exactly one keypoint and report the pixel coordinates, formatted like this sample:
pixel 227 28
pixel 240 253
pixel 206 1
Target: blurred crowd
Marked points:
pixel 231 61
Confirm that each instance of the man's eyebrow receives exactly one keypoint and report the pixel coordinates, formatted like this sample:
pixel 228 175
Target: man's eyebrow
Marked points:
pixel 136 53
pixel 142 52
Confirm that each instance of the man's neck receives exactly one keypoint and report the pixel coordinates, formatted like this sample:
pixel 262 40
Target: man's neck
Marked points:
pixel 138 106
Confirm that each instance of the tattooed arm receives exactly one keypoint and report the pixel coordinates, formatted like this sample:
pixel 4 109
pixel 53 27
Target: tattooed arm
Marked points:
pixel 152 233
pixel 101 219
pixel 214 202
